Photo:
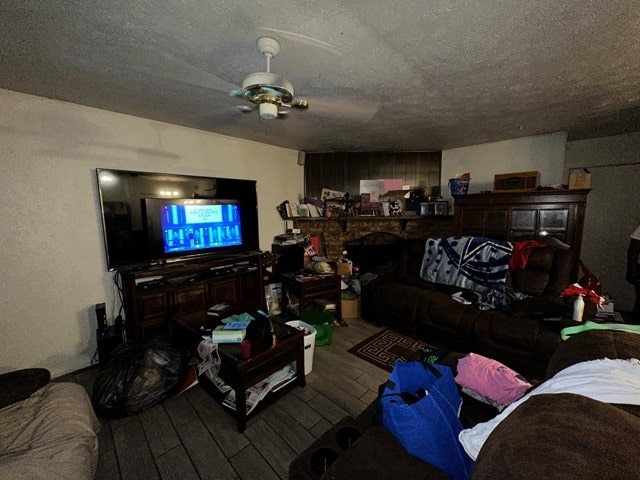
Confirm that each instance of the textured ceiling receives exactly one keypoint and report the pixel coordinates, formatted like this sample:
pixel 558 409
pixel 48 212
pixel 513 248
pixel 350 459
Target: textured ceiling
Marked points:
pixel 412 75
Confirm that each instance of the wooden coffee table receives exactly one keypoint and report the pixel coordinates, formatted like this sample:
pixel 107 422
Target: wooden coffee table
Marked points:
pixel 274 345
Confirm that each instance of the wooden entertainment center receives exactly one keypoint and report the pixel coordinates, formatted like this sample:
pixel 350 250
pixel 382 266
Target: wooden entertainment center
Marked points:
pixel 154 294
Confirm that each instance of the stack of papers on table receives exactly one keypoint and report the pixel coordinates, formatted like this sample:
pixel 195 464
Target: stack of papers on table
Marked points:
pixel 257 392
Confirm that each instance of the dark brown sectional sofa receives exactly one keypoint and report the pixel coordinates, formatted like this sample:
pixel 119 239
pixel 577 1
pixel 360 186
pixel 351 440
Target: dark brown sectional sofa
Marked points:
pixel 517 337
pixel 553 436
pixel 557 436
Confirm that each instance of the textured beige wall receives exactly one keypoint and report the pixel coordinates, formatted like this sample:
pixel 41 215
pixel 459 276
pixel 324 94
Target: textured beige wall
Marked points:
pixel 613 208
pixel 542 153
pixel 52 260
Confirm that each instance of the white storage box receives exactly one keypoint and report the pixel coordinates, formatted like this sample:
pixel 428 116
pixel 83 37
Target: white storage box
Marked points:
pixel 309 343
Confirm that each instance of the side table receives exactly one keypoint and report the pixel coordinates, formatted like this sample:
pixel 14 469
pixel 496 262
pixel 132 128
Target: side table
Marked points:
pixel 274 345
pixel 310 287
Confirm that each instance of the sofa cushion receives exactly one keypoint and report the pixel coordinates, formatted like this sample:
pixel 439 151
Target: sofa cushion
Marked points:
pixel 523 344
pixel 540 307
pixel 592 345
pixel 440 320
pixel 51 434
pixel 395 305
pixel 563 436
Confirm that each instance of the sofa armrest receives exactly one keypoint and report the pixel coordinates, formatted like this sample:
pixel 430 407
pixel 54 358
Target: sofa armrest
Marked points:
pixel 376 455
pixel 20 384
pixel 560 436
pixel 548 272
pixel 560 274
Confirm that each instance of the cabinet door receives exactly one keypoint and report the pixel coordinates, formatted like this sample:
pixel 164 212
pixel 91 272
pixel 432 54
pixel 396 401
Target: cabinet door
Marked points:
pixel 496 223
pixel 225 291
pixel 472 221
pixel 188 299
pixel 153 305
pixel 252 291
pixel 485 222
pixel 153 310
pixel 554 222
pixel 524 224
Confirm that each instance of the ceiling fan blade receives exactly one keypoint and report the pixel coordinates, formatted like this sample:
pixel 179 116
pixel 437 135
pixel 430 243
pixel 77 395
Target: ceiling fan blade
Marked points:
pixel 298 37
pixel 187 73
pixel 346 108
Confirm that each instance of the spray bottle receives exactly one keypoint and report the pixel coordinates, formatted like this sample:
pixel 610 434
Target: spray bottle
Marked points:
pixel 578 308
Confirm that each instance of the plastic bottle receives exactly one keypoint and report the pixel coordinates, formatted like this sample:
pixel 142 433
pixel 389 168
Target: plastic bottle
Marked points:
pixel 578 308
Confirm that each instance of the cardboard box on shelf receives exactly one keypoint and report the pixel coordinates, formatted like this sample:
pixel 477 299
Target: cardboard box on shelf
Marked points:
pixel 579 179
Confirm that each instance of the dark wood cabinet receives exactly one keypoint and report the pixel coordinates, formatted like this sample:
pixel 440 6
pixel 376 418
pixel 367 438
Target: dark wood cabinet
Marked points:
pixel 153 295
pixel 189 298
pixel 524 216
pixel 227 290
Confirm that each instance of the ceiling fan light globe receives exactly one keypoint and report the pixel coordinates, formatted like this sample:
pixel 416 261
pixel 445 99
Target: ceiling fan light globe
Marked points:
pixel 268 111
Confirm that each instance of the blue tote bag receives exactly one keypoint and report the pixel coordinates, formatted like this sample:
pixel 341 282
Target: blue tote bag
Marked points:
pixel 420 405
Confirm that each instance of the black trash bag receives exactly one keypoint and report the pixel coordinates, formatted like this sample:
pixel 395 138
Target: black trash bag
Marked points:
pixel 138 377
pixel 162 372
pixel 112 384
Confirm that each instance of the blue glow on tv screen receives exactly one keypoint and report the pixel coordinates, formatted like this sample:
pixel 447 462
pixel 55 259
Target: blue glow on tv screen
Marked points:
pixel 194 226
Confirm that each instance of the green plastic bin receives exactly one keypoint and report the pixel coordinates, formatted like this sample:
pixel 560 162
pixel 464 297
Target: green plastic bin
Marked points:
pixel 322 322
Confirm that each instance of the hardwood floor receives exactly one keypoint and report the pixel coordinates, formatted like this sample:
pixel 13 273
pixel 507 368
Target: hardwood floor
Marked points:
pixel 190 436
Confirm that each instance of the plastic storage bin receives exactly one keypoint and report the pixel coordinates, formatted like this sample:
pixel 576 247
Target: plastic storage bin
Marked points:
pixel 322 321
pixel 458 186
pixel 309 342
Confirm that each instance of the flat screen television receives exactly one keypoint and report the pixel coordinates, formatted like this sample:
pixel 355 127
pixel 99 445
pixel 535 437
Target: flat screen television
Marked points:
pixel 152 218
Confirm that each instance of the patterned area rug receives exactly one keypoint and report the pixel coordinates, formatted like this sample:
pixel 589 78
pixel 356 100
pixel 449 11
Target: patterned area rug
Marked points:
pixel 387 346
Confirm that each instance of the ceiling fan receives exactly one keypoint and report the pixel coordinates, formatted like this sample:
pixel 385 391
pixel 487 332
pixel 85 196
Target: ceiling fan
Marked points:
pixel 270 92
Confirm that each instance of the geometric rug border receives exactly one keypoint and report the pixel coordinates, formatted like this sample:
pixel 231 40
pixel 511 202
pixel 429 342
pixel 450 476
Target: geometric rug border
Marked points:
pixel 385 347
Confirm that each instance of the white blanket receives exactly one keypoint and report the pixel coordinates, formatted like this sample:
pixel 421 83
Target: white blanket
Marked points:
pixel 606 380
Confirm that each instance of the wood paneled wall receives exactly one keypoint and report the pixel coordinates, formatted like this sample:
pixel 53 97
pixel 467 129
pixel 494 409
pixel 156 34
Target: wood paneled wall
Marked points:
pixel 343 171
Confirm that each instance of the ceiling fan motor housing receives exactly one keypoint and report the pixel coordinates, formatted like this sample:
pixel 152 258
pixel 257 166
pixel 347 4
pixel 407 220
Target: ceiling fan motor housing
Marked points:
pixel 259 83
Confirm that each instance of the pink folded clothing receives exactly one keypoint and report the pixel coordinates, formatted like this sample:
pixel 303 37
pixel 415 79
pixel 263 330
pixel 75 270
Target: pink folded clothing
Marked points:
pixel 491 379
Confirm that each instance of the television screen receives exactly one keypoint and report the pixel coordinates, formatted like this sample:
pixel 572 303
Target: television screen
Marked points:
pixel 193 225
pixel 182 226
pixel 201 216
